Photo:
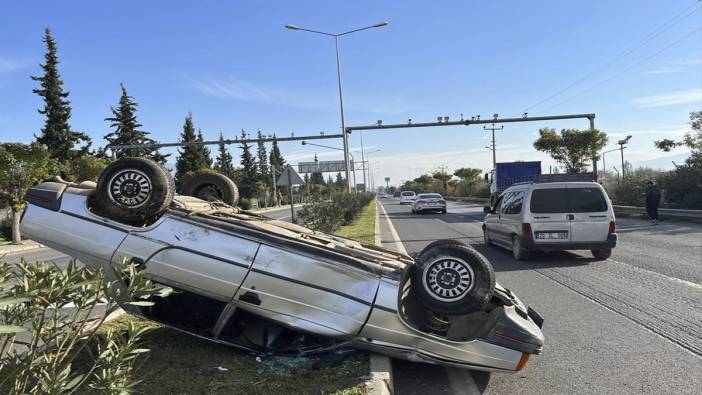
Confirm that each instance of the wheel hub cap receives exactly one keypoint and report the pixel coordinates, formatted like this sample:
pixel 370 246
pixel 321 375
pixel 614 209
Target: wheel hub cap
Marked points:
pixel 130 188
pixel 448 279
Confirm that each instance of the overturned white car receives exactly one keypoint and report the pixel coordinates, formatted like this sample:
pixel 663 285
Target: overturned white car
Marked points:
pixel 273 287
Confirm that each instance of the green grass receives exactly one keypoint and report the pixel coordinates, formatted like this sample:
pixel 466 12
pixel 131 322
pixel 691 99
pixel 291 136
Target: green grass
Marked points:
pixel 363 228
pixel 183 364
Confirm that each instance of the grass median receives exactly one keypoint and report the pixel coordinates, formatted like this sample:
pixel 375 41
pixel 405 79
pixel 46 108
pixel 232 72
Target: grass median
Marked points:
pixel 183 364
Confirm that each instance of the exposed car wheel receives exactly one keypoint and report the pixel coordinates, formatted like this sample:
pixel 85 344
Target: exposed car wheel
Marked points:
pixel 602 254
pixel 134 189
pixel 211 186
pixel 453 278
pixel 443 211
pixel 486 237
pixel 518 252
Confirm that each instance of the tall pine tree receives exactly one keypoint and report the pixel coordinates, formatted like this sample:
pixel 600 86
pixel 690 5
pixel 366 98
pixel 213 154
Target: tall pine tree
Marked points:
pixel 56 134
pixel 317 176
pixel 223 163
pixel 263 171
pixel 127 130
pixel 276 159
pixel 247 176
pixel 193 157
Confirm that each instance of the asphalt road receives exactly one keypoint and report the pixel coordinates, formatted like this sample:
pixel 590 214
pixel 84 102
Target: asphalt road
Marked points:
pixel 630 324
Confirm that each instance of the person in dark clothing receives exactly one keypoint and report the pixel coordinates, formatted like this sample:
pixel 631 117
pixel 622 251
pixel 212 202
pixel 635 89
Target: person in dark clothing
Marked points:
pixel 653 200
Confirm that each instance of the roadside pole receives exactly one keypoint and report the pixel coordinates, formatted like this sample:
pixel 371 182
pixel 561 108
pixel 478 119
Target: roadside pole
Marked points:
pixel 275 192
pixel 292 199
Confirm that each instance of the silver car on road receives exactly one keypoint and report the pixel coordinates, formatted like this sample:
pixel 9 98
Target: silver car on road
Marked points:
pixel 269 286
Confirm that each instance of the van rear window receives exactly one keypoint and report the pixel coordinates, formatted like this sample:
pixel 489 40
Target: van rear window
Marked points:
pixel 571 200
pixel 407 193
pixel 586 200
pixel 552 200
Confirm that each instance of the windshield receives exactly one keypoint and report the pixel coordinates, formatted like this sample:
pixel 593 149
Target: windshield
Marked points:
pixel 429 196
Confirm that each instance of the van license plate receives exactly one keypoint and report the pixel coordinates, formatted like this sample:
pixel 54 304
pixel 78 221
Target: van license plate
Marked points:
pixel 552 235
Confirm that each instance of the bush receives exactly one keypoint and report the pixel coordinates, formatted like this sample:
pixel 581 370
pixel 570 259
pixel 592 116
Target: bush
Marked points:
pixel 244 204
pixel 329 215
pixel 683 187
pixel 56 308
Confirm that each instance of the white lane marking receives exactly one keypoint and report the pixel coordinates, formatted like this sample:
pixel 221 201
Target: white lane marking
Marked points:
pixel 399 247
pixel 461 380
pixel 674 279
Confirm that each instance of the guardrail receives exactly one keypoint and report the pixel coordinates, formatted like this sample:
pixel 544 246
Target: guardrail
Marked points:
pixel 622 210
pixel 662 212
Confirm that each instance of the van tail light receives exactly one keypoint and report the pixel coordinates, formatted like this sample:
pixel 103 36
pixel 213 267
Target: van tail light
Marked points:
pixel 612 228
pixel 527 232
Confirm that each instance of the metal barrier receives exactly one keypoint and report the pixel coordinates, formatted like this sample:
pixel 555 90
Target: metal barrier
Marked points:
pixel 662 212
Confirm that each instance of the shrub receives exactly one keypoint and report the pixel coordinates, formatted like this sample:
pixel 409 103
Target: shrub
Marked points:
pixel 329 215
pixel 62 353
pixel 244 204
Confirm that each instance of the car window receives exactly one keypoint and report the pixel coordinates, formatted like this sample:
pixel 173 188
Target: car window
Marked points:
pixel 552 200
pixel 407 193
pixel 586 200
pixel 506 198
pixel 515 203
pixel 429 196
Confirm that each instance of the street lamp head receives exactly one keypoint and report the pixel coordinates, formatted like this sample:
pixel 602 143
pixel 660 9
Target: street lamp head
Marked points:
pixel 381 24
pixel 626 140
pixel 292 27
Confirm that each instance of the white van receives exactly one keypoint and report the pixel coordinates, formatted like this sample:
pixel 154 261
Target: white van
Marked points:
pixel 552 217
pixel 407 197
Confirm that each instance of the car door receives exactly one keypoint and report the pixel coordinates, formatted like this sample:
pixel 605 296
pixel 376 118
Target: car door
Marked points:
pixel 589 213
pixel 191 256
pixel 550 214
pixel 511 220
pixel 318 291
pixel 492 220
pixel 501 230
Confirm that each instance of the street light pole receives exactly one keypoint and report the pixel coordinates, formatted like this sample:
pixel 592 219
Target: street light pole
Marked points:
pixel 368 157
pixel 493 129
pixel 345 133
pixel 622 143
pixel 604 165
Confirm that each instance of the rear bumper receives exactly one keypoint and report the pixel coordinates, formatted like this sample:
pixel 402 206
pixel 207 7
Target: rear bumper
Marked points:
pixel 430 208
pixel 611 242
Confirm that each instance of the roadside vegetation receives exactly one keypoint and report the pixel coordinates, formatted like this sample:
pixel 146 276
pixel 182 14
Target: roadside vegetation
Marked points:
pixel 328 215
pixel 363 228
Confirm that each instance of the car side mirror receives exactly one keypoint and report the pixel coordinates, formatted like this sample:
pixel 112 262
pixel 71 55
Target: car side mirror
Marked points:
pixel 487 210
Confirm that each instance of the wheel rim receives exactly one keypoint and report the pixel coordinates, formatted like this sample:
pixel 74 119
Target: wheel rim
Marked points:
pixel 130 188
pixel 209 192
pixel 448 278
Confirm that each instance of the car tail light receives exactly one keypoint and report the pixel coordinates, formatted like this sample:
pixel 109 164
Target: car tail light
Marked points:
pixel 612 228
pixel 420 202
pixel 442 202
pixel 527 232
pixel 522 361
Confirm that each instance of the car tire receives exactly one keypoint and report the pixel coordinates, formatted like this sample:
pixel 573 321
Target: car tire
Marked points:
pixel 518 251
pixel 467 279
pixel 210 186
pixel 486 237
pixel 443 211
pixel 602 254
pixel 134 189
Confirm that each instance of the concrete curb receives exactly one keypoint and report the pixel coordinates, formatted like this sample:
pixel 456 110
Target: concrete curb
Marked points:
pixel 276 208
pixel 381 381
pixel 13 248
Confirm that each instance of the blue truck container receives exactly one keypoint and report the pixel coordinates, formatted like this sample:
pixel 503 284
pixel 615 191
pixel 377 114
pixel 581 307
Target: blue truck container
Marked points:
pixel 509 173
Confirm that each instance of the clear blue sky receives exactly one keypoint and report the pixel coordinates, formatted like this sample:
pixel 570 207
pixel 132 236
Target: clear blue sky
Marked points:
pixel 233 65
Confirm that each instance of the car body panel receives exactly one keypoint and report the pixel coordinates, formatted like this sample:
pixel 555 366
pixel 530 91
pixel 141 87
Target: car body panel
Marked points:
pixel 231 262
pixel 407 197
pixel 428 202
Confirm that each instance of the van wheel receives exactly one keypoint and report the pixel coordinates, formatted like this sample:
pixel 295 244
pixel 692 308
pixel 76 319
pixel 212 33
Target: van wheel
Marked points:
pixel 602 254
pixel 210 186
pixel 134 189
pixel 453 278
pixel 518 252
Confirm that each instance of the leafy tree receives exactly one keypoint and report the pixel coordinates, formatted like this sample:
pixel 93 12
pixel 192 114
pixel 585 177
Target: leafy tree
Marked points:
pixel 276 159
pixel 22 166
pixel 223 163
pixel 443 178
pixel 127 131
pixel 88 168
pixel 340 182
pixel 469 177
pixel 193 157
pixel 56 134
pixel 247 176
pixel 573 148
pixel 691 140
pixel 263 170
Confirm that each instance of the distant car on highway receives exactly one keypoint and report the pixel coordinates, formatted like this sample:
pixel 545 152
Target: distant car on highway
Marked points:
pixel 429 202
pixel 382 195
pixel 407 197
pixel 552 217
